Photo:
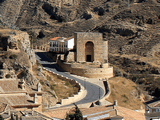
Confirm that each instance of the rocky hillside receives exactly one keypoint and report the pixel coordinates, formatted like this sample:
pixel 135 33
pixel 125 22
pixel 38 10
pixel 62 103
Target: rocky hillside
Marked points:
pixel 16 58
pixel 132 29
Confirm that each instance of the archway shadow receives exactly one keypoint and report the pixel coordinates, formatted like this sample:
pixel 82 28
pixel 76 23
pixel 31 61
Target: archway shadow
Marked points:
pixel 48 62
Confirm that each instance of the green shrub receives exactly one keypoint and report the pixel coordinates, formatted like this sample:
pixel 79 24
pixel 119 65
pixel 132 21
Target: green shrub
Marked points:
pixel 8 76
pixel 125 96
pixel 13 56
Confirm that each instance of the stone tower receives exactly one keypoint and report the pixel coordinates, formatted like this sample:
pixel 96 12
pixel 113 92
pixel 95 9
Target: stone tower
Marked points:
pixel 90 47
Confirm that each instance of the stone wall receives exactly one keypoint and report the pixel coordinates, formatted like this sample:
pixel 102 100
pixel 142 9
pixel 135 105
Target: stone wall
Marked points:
pixel 81 38
pixel 81 93
pixel 104 72
pixel 69 57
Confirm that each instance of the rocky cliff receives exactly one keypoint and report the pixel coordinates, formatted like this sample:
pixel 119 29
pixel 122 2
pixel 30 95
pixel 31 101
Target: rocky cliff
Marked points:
pixel 17 57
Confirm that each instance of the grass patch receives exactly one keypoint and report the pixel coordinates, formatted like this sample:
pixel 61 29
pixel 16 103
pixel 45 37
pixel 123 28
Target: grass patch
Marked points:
pixel 123 93
pixel 49 78
pixel 124 96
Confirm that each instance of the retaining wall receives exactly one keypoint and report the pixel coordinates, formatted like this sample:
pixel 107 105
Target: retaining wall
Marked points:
pixel 105 72
pixel 81 94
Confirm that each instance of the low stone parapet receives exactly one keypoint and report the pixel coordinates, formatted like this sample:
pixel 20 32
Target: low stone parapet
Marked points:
pixel 81 93
pixel 91 72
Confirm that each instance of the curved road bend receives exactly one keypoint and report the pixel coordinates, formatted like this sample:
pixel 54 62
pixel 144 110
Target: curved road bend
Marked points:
pixel 94 92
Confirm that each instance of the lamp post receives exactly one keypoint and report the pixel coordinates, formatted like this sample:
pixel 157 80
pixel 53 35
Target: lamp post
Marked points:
pixel 99 92
pixel 84 83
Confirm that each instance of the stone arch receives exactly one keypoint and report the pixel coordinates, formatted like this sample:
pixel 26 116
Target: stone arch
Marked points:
pixel 89 51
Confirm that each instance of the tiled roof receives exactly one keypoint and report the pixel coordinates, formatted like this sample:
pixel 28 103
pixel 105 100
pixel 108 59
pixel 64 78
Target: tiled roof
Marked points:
pixel 157 105
pixel 69 38
pixel 34 114
pixel 9 86
pixel 60 113
pixel 154 104
pixel 13 96
pixel 55 38
pixel 16 100
pixel 86 111
pixel 89 112
pixel 33 118
pixel 129 114
pixel 99 112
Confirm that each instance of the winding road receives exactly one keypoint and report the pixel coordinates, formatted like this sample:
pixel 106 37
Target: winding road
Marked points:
pixel 94 92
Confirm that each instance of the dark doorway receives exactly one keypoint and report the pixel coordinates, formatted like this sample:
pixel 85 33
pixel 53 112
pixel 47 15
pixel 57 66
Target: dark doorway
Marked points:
pixel 88 58
pixel 89 51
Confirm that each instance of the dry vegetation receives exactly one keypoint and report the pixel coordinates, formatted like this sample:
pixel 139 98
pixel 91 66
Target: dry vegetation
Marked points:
pixel 126 93
pixel 55 86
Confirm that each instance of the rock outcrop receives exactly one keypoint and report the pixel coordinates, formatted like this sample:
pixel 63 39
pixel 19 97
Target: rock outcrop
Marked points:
pixel 18 57
pixel 23 39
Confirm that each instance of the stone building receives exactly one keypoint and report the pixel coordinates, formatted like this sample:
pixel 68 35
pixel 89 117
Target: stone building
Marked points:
pixel 19 96
pixel 89 57
pixel 152 110
pixel 90 47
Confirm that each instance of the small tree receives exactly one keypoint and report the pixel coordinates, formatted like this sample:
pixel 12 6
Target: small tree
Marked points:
pixel 1 118
pixel 78 113
pixel 76 116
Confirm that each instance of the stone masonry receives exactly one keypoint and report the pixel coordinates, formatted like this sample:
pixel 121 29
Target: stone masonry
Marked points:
pixel 90 47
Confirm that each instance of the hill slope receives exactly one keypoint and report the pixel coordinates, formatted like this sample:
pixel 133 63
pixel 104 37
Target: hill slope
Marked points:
pixel 132 29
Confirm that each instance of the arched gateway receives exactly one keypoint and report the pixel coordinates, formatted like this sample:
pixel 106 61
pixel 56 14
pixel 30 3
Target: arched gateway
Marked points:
pixel 90 47
pixel 89 51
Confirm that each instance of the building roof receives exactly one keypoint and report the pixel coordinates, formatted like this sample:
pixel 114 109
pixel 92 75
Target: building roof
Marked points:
pixel 9 86
pixel 17 100
pixel 32 118
pixel 92 110
pixel 55 38
pixel 72 37
pixel 14 96
pixel 153 103
pixel 98 113
pixel 129 114
pixel 60 113
pixel 157 105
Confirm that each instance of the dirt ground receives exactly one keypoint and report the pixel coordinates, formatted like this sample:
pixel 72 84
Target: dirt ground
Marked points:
pixel 55 88
pixel 126 93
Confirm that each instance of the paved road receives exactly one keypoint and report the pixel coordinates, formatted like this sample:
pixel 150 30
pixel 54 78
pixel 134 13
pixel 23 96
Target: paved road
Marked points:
pixel 94 92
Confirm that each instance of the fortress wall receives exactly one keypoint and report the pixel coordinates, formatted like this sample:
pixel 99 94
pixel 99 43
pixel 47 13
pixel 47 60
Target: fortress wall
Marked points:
pixel 66 67
pixel 93 72
pixel 77 66
pixel 81 38
pixel 70 57
pixel 81 94
pixel 106 72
